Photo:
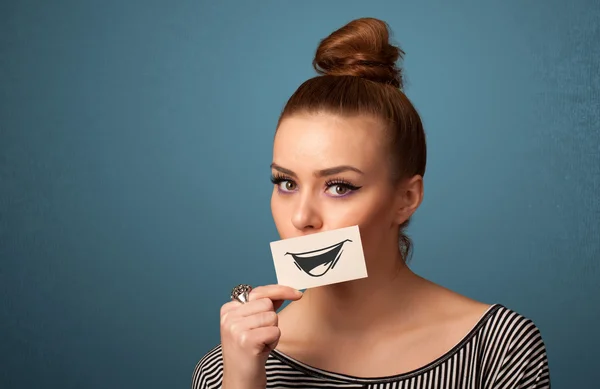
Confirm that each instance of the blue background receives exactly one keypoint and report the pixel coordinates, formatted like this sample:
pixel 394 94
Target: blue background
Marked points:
pixel 134 152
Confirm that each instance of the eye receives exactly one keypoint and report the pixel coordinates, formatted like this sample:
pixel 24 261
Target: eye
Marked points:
pixel 284 184
pixel 287 186
pixel 339 188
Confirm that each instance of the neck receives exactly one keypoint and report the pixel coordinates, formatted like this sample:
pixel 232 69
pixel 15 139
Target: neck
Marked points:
pixel 364 304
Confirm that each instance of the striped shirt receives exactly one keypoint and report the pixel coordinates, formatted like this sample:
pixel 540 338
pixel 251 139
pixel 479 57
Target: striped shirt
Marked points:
pixel 504 350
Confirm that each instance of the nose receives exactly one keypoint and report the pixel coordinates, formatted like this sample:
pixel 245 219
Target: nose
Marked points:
pixel 306 215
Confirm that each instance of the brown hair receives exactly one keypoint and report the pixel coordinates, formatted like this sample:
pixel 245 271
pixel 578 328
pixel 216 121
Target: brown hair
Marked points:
pixel 358 76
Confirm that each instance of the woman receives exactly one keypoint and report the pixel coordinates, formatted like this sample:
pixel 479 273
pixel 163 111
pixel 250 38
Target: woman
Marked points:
pixel 350 150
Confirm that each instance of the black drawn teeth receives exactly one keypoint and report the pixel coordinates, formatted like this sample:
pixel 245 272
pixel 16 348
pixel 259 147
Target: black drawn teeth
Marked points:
pixel 317 263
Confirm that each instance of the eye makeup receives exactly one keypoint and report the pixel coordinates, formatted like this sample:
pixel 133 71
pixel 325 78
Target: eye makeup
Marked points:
pixel 336 183
pixel 341 184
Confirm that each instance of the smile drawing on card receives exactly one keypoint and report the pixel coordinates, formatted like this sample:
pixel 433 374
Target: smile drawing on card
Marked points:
pixel 319 259
pixel 318 262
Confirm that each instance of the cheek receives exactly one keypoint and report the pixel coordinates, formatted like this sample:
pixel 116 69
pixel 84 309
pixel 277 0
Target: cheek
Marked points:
pixel 280 214
pixel 369 211
pixel 375 223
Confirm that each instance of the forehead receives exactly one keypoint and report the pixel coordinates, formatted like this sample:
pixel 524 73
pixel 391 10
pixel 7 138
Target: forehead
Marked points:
pixel 313 142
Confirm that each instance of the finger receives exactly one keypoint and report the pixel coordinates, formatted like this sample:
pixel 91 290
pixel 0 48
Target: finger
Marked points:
pixel 275 292
pixel 241 326
pixel 271 346
pixel 261 338
pixel 255 306
pixel 262 319
pixel 230 306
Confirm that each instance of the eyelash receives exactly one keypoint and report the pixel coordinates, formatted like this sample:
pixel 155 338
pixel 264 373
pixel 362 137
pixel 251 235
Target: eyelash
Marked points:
pixel 343 183
pixel 277 179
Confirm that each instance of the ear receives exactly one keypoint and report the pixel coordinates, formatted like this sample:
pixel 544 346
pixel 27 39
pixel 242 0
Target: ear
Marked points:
pixel 409 195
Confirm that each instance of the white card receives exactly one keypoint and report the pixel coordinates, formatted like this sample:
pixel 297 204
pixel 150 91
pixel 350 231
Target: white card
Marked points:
pixel 319 259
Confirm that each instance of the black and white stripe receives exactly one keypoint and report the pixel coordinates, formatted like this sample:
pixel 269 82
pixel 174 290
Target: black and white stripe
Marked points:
pixel 503 351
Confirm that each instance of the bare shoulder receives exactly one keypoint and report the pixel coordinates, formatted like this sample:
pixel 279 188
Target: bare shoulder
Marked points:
pixel 456 316
pixel 447 306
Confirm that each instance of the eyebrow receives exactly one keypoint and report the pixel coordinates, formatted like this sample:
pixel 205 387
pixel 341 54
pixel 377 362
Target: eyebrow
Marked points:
pixel 321 173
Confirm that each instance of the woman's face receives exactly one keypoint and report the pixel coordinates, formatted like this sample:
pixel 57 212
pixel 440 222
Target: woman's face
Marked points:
pixel 332 172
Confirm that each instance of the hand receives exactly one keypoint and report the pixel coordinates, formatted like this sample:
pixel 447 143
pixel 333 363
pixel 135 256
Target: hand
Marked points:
pixel 249 332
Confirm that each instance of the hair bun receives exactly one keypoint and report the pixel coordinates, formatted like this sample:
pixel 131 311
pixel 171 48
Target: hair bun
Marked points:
pixel 361 48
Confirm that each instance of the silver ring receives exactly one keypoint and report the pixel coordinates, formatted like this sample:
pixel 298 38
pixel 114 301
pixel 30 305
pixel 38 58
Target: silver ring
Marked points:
pixel 241 293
